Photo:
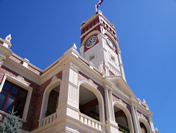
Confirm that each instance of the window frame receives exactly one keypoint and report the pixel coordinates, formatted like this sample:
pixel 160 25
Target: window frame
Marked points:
pixel 25 86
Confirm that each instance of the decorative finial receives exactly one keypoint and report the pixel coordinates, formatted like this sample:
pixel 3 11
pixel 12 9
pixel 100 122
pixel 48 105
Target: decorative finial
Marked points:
pixel 139 100
pixel 98 4
pixel 144 101
pixel 74 46
pixel 25 62
pixel 8 38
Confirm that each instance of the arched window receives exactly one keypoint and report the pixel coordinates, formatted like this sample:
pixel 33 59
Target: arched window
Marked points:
pixel 53 101
pixel 121 119
pixel 143 128
pixel 88 103
pixel 50 98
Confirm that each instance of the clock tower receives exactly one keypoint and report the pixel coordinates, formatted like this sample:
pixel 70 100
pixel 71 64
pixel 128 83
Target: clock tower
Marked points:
pixel 99 45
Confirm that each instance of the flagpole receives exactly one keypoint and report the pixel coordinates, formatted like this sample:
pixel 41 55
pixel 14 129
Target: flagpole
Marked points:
pixel 98 4
pixel 96 8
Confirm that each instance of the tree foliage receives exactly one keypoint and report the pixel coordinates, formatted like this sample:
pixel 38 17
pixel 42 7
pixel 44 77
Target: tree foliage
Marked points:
pixel 10 124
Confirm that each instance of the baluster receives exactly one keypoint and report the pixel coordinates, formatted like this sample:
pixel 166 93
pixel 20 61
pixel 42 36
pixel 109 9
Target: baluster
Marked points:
pixel 49 120
pixel 81 119
pixel 85 121
pixel 89 122
pixel 93 124
pixel 99 127
pixel 96 125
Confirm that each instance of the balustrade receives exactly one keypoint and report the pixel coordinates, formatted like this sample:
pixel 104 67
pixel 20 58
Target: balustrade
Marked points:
pixel 47 120
pixel 90 122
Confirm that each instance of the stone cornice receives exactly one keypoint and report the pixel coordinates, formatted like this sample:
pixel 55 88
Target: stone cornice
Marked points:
pixel 21 70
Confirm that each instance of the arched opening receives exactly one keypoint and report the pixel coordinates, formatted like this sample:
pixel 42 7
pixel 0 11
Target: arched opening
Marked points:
pixel 143 128
pixel 122 120
pixel 53 101
pixel 50 98
pixel 88 103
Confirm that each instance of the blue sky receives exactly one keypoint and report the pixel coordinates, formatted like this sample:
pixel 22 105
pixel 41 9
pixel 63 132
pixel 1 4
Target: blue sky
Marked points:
pixel 43 30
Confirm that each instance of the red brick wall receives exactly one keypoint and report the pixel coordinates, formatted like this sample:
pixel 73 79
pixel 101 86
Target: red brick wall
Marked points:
pixel 36 98
pixel 36 102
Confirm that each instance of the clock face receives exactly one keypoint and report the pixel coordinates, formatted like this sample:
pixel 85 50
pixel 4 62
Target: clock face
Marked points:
pixel 91 41
pixel 111 44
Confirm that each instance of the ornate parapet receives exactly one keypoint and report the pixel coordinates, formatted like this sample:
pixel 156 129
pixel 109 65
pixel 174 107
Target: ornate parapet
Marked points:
pixel 143 104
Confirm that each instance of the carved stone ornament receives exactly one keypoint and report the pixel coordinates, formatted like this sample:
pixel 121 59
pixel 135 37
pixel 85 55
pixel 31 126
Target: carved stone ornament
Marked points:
pixel 144 101
pixel 139 100
pixel 20 78
pixel 74 46
pixel 26 60
pixel 8 38
pixel 145 104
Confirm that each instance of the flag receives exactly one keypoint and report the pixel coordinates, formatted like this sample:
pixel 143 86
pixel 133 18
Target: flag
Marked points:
pixel 99 3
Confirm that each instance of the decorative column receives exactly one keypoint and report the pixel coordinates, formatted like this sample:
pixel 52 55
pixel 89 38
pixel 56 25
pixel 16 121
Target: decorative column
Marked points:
pixel 108 108
pixel 135 118
pixel 151 124
pixel 111 104
pixel 111 125
pixel 68 100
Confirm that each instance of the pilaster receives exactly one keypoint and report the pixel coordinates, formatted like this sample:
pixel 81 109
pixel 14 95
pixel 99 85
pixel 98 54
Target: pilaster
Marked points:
pixel 151 124
pixel 111 125
pixel 135 118
pixel 68 100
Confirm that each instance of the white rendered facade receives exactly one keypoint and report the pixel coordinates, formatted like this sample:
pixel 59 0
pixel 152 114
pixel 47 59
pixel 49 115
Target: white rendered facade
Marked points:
pixel 90 90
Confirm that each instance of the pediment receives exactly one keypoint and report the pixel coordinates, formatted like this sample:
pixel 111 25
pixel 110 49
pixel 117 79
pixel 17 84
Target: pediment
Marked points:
pixel 120 84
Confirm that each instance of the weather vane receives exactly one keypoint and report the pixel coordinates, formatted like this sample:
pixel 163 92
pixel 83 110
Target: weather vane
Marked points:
pixel 98 4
